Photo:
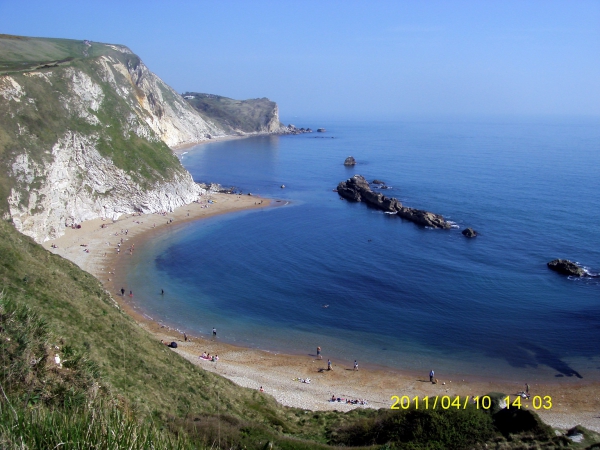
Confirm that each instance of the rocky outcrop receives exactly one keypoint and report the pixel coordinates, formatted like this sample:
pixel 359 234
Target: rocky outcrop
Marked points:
pixel 357 189
pixel 350 161
pixel 241 117
pixel 469 232
pixel 291 129
pixel 567 267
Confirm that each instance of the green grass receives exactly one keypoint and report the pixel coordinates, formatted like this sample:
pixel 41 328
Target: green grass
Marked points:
pixel 21 53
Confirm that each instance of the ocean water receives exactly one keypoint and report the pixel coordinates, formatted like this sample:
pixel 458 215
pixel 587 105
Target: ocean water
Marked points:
pixel 398 295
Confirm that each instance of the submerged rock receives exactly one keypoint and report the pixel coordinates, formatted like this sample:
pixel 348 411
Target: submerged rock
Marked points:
pixel 350 161
pixel 469 232
pixel 567 267
pixel 357 189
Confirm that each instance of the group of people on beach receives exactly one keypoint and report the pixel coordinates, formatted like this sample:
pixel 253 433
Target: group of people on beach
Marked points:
pixel 206 356
pixel 348 401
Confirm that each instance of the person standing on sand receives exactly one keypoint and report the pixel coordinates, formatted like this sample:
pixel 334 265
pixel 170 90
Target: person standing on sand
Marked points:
pixel 122 292
pixel 355 365
pixel 214 333
pixel 319 353
pixel 527 388
pixel 329 365
pixel 431 374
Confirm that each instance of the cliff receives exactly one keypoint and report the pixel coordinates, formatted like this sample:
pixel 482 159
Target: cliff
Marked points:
pixel 259 115
pixel 85 131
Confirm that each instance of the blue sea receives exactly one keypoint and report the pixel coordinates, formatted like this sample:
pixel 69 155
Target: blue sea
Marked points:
pixel 398 295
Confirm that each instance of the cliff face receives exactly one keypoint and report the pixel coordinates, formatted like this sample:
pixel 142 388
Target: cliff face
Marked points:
pixel 88 136
pixel 259 115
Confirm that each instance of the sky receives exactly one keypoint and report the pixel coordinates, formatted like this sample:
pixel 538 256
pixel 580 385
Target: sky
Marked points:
pixel 351 58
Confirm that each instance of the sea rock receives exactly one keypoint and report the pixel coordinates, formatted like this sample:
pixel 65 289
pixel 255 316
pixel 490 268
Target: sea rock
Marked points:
pixel 567 267
pixel 357 189
pixel 425 218
pixel 321 130
pixel 378 182
pixel 469 232
pixel 350 161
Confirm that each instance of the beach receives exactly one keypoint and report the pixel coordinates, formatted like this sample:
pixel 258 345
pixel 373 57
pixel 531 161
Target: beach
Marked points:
pixel 93 248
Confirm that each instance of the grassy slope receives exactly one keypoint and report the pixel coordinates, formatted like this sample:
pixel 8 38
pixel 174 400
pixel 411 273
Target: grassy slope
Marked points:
pixel 156 383
pixel 155 380
pixel 27 53
pixel 232 115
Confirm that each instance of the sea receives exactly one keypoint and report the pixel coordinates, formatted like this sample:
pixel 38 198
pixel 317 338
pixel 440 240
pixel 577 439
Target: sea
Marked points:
pixel 364 285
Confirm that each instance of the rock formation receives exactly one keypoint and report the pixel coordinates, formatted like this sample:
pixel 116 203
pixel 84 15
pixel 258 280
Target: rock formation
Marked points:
pixel 469 232
pixel 350 161
pixel 567 267
pixel 357 189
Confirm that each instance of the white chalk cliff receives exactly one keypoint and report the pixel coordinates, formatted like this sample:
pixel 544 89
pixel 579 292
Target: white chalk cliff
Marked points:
pixel 90 138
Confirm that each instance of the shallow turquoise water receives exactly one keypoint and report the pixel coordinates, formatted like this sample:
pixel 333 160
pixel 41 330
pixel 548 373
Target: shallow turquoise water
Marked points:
pixel 398 294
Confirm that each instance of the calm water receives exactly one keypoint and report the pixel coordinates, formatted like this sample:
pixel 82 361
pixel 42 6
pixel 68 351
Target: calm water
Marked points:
pixel 398 294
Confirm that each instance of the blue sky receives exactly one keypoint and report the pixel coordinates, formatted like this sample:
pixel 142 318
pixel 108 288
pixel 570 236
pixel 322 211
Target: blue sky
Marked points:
pixel 383 58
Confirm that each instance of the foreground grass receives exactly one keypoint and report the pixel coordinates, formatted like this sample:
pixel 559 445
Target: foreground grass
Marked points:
pixel 117 382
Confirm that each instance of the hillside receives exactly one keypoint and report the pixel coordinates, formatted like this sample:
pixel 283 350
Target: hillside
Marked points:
pixel 259 115
pixel 115 371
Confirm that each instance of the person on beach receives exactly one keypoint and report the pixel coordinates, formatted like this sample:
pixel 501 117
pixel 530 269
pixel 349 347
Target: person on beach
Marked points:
pixel 319 353
pixel 122 292
pixel 329 364
pixel 355 365
pixel 214 333
pixel 185 337
pixel 527 388
pixel 131 293
pixel 261 389
pixel 431 374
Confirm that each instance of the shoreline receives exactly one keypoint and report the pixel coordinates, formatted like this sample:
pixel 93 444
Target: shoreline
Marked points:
pixel 180 149
pixel 573 402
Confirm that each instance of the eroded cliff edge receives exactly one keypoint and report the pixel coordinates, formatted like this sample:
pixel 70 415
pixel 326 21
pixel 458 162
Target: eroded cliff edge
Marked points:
pixel 85 132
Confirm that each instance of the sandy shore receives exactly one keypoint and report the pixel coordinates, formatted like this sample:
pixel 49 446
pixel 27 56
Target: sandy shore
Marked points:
pixel 573 401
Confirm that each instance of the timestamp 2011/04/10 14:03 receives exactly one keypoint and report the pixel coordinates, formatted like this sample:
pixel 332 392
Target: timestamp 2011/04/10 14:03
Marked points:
pixel 484 402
